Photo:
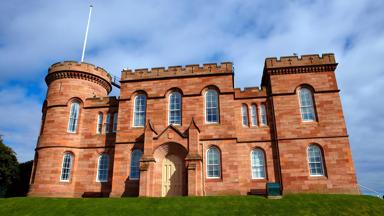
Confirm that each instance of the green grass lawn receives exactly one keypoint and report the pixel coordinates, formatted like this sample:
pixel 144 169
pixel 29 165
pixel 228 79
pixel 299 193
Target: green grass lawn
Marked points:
pixel 310 204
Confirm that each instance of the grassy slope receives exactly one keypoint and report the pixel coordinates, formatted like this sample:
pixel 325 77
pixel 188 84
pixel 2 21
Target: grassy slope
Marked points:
pixel 229 205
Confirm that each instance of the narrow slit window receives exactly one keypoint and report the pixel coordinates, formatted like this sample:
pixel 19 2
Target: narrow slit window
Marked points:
pixel 114 122
pixel 66 167
pixel 73 117
pixel 211 107
pixel 139 111
pixel 107 124
pixel 174 116
pixel 254 115
pixel 99 123
pixel 263 115
pixel 244 115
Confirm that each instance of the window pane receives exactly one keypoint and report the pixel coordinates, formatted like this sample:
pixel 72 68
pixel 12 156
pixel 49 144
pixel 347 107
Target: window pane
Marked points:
pixel 73 117
pixel 263 115
pixel 213 163
pixel 66 167
pixel 99 123
pixel 139 110
pixel 244 115
pixel 103 166
pixel 114 122
pixel 306 105
pixel 135 164
pixel 107 125
pixel 211 107
pixel 175 108
pixel 254 115
pixel 258 164
pixel 315 161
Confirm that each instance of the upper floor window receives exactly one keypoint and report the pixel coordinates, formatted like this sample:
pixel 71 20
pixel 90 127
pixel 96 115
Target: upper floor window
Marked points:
pixel 139 111
pixel 254 115
pixel 99 123
pixel 73 117
pixel 263 115
pixel 102 168
pixel 306 105
pixel 107 124
pixel 135 164
pixel 258 164
pixel 114 128
pixel 315 161
pixel 211 106
pixel 213 163
pixel 174 116
pixel 244 115
pixel 66 167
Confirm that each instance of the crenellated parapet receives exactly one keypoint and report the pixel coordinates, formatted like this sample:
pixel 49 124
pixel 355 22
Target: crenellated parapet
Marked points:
pixel 101 102
pixel 177 71
pixel 302 64
pixel 250 92
pixel 79 70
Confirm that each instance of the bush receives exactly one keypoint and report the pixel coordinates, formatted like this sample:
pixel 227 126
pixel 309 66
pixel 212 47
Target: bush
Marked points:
pixel 9 170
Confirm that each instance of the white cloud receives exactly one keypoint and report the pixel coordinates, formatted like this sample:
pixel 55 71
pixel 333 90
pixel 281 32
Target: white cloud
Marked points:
pixel 149 33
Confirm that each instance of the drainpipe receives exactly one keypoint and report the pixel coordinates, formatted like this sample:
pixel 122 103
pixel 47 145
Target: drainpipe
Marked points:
pixel 202 167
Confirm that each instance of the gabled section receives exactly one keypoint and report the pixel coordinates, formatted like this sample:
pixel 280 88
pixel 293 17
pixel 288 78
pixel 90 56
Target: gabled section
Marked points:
pixel 149 127
pixel 193 126
pixel 171 128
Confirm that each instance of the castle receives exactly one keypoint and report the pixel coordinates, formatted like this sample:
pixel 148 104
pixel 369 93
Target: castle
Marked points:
pixel 180 131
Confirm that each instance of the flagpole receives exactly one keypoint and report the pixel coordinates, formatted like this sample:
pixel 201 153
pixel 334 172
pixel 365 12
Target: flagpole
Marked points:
pixel 86 33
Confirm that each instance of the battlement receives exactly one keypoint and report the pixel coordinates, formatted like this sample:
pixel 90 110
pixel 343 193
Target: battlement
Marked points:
pixel 177 71
pixel 80 66
pixel 79 70
pixel 101 102
pixel 296 61
pixel 250 92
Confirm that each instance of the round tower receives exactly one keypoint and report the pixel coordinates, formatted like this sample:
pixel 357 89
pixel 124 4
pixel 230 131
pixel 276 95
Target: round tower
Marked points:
pixel 63 123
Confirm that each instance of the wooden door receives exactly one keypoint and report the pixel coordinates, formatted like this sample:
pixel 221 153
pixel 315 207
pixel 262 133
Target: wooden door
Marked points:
pixel 172 176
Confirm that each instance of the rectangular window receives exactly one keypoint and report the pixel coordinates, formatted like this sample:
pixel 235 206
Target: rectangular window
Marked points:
pixel 263 115
pixel 107 124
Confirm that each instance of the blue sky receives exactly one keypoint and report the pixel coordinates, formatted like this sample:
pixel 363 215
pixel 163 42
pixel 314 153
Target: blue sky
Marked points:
pixel 151 33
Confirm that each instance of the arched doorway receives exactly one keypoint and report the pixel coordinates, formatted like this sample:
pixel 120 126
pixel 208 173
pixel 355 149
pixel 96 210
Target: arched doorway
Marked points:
pixel 172 176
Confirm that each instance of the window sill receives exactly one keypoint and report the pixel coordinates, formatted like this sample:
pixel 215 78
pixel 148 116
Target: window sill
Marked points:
pixel 318 177
pixel 219 179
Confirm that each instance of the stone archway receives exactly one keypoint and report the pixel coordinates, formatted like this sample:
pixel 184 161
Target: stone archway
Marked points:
pixel 170 174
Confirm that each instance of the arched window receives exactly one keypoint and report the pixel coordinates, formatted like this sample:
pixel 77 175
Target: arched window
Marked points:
pixel 66 167
pixel 244 114
pixel 114 122
pixel 73 117
pixel 135 164
pixel 315 161
pixel 258 164
pixel 102 168
pixel 254 115
pixel 99 123
pixel 306 105
pixel 139 111
pixel 174 115
pixel 213 163
pixel 107 124
pixel 211 106
pixel 263 115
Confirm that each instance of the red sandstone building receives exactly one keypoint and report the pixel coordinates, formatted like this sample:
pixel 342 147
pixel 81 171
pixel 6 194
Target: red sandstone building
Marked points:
pixel 188 131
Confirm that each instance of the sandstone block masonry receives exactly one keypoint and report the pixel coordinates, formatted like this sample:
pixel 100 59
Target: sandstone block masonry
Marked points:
pixel 181 131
